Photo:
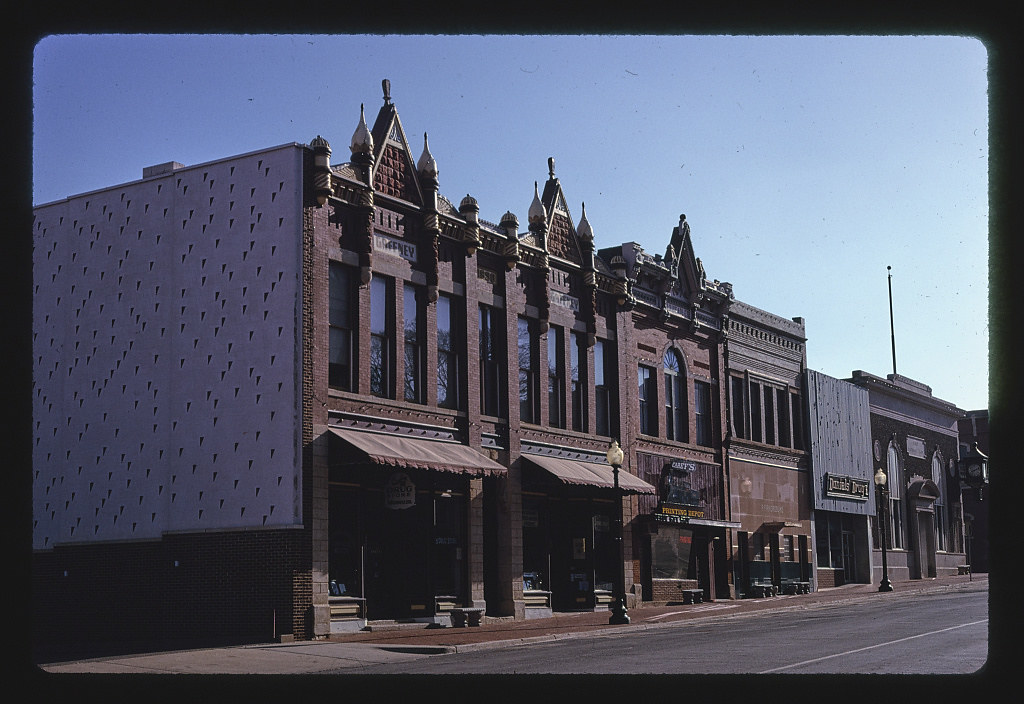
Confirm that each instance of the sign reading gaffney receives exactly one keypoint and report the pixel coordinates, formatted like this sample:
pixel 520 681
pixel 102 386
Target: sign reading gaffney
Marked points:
pixel 841 486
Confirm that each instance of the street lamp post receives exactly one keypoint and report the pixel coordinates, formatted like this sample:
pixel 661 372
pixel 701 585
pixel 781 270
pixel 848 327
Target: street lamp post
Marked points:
pixel 619 615
pixel 883 500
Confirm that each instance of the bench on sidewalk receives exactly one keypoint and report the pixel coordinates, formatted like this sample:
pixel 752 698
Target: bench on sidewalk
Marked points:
pixel 761 588
pixel 463 615
pixel 693 596
pixel 795 586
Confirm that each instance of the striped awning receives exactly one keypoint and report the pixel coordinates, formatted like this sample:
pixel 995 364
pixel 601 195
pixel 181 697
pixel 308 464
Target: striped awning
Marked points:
pixel 413 453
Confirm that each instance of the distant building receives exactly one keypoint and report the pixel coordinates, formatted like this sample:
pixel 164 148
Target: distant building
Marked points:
pixel 914 439
pixel 973 428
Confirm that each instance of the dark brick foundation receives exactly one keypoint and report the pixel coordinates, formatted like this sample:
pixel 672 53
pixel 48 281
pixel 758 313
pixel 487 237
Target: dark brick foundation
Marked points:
pixel 230 587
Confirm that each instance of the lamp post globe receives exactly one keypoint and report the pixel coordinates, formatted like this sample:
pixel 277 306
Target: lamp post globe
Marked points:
pixel 883 500
pixel 619 615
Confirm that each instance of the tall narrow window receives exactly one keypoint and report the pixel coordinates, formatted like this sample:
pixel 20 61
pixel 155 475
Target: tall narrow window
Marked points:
pixel 648 400
pixel 798 421
pixel 605 376
pixel 755 412
pixel 448 376
pixel 675 398
pixel 940 508
pixel 556 377
pixel 769 415
pixel 782 395
pixel 702 412
pixel 490 362
pixel 527 354
pixel 739 424
pixel 578 379
pixel 380 337
pixel 415 359
pixel 894 482
pixel 342 295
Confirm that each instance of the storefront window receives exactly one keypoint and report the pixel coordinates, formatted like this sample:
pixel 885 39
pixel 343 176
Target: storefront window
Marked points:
pixel 344 565
pixel 448 563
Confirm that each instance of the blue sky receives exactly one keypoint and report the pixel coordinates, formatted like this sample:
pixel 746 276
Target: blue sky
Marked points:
pixel 805 165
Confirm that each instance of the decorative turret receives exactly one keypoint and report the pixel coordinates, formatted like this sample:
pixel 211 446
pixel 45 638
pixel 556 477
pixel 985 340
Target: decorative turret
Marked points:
pixel 585 235
pixel 537 214
pixel 623 296
pixel 470 210
pixel 362 140
pixel 426 165
pixel 510 224
pixel 429 256
pixel 321 169
pixel 362 159
pixel 583 230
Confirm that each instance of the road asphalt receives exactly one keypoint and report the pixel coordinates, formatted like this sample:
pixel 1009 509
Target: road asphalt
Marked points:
pixel 400 643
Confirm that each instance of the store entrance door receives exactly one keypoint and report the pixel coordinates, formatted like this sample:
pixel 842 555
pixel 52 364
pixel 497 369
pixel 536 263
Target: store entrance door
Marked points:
pixel 849 563
pixel 397 560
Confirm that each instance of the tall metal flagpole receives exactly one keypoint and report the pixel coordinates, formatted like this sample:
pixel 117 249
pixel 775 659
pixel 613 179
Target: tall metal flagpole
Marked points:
pixel 892 327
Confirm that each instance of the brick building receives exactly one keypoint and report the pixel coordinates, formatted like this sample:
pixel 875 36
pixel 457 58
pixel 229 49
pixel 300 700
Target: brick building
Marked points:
pixel 276 396
pixel 766 449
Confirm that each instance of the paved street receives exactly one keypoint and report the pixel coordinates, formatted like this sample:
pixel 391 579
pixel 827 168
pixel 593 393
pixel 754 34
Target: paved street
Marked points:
pixel 938 626
pixel 905 634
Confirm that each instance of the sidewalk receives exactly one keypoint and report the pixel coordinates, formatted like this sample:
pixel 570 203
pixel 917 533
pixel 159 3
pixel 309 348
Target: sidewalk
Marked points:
pixel 357 649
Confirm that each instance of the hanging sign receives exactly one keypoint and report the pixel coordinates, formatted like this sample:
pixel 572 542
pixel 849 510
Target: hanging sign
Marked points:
pixel 399 492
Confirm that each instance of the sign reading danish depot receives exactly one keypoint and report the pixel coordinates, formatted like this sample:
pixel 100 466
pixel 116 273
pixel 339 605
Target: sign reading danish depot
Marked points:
pixel 843 487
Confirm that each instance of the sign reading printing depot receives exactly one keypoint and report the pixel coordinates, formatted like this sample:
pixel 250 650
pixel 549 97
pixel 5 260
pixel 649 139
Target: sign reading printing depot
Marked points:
pixel 390 245
pixel 399 492
pixel 843 487
pixel 677 514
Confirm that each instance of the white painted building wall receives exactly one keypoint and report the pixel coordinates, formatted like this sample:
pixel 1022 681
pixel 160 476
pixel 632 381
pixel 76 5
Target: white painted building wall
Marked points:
pixel 167 353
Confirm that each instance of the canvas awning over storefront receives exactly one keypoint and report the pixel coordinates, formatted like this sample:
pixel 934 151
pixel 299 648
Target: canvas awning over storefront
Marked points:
pixel 580 473
pixel 414 453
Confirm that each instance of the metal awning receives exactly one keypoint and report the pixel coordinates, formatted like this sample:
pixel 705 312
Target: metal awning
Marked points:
pixel 414 453
pixel 577 472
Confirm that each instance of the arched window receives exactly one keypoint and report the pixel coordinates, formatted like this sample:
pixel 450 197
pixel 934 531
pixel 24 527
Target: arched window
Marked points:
pixel 940 508
pixel 675 397
pixel 894 483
